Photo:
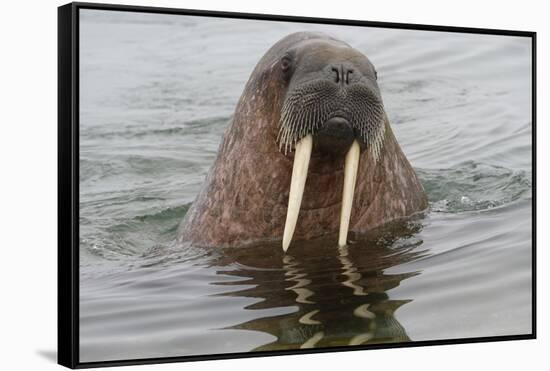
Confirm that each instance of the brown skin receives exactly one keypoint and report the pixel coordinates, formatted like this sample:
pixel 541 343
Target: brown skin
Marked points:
pixel 245 197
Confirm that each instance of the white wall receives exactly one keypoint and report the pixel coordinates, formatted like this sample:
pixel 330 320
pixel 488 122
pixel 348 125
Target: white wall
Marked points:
pixel 28 181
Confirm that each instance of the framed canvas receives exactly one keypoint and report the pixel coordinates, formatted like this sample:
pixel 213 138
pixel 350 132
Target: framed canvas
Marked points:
pixel 242 185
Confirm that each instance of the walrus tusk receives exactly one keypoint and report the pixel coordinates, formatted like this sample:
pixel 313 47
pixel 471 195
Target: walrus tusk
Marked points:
pixel 297 184
pixel 350 177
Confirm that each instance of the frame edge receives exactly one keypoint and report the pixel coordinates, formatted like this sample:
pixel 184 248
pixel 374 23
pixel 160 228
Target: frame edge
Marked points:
pixel 301 19
pixel 67 294
pixel 68 263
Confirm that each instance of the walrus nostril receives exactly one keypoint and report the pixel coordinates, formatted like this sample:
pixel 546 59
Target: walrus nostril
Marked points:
pixel 342 74
pixel 337 72
pixel 335 136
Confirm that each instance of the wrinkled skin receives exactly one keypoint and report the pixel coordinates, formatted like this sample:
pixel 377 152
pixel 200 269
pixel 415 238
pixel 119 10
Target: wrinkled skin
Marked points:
pixel 245 195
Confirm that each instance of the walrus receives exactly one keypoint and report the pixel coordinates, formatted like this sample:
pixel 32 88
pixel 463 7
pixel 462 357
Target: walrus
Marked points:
pixel 309 140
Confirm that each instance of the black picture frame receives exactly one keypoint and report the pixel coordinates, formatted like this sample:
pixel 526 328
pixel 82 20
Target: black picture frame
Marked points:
pixel 68 180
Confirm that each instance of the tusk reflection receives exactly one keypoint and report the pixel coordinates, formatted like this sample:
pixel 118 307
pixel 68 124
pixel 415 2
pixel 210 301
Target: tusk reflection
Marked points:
pixel 307 320
pixel 294 273
pixel 311 342
pixel 361 338
pixel 350 272
pixel 363 311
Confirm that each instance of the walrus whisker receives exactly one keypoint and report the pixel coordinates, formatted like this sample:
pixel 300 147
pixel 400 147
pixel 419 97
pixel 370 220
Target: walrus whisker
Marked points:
pixel 309 105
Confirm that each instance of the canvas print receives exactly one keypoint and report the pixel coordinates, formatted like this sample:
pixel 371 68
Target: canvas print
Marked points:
pixel 252 185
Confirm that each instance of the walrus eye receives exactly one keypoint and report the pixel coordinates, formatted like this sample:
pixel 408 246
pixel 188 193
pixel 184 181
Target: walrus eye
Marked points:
pixel 286 63
pixel 375 75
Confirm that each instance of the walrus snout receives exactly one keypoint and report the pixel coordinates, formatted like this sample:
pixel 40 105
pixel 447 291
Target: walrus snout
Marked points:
pixel 334 137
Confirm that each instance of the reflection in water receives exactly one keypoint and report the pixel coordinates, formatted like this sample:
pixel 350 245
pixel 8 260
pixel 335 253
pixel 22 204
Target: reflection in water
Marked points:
pixel 337 295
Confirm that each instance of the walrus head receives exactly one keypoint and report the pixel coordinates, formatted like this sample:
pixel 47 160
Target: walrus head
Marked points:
pixel 332 104
pixel 311 110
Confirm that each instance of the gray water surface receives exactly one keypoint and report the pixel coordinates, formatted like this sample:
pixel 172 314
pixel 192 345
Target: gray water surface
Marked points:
pixel 157 92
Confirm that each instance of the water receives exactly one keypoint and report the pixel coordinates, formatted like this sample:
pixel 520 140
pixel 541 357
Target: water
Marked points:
pixel 157 92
